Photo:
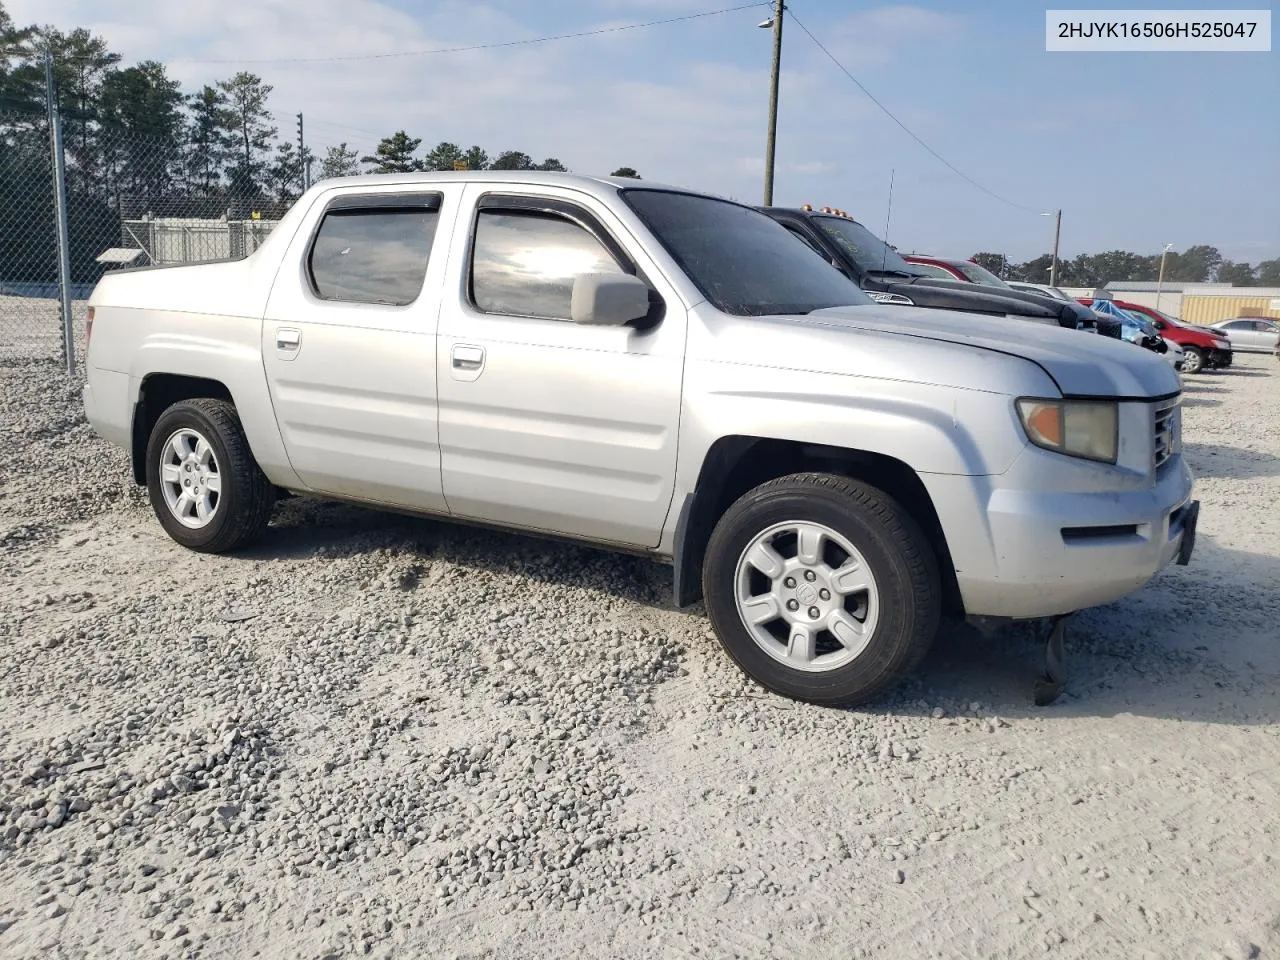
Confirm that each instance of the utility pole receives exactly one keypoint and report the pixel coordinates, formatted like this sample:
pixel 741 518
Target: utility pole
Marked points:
pixel 1160 281
pixel 776 23
pixel 1053 268
pixel 304 163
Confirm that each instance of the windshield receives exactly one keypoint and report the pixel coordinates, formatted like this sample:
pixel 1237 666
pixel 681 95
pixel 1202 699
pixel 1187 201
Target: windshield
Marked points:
pixel 744 262
pixel 977 274
pixel 863 247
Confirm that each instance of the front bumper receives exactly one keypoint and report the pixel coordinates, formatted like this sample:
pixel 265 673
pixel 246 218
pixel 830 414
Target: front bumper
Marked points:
pixel 1041 553
pixel 1218 358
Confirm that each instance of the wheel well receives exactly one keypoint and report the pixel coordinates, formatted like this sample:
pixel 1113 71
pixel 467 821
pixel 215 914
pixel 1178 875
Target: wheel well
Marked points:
pixel 737 464
pixel 159 392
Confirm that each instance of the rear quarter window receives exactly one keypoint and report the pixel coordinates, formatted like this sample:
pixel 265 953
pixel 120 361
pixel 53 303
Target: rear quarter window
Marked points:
pixel 372 255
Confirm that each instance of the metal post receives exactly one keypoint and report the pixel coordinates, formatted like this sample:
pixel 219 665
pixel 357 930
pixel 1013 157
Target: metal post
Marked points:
pixel 303 166
pixel 778 7
pixel 1053 268
pixel 60 210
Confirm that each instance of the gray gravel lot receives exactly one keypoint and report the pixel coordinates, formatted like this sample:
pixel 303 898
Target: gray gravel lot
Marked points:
pixel 381 736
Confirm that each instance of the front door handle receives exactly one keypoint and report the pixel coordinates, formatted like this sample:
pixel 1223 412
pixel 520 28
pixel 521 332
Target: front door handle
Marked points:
pixel 288 339
pixel 466 357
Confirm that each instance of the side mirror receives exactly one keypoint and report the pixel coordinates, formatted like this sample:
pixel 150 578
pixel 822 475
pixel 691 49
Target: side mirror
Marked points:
pixel 608 299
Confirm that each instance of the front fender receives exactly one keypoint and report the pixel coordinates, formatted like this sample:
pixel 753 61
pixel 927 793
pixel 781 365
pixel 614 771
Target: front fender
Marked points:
pixel 930 428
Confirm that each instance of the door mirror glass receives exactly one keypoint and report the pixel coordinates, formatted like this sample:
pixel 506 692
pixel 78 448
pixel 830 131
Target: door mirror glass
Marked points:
pixel 608 299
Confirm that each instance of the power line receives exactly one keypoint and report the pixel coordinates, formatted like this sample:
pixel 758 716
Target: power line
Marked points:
pixel 329 123
pixel 486 46
pixel 950 166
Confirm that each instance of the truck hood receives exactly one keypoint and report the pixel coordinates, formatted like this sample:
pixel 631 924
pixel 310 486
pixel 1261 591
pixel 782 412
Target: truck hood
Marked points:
pixel 1081 364
pixel 955 297
pixel 1069 313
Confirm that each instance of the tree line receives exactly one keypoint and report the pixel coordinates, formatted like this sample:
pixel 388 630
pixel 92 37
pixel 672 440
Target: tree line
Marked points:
pixel 132 130
pixel 398 154
pixel 1197 264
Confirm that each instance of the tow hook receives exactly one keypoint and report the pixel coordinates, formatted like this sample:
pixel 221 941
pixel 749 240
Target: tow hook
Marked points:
pixel 1048 686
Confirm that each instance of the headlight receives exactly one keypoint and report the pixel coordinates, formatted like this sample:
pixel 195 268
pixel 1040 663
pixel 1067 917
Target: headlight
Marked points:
pixel 1077 428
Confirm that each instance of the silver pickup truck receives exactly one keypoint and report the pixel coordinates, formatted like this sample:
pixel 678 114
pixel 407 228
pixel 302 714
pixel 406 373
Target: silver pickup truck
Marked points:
pixel 656 371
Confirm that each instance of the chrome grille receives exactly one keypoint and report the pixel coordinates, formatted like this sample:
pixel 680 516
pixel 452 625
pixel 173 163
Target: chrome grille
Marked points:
pixel 1166 430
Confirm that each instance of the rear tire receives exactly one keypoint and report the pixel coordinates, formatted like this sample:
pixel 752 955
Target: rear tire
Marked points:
pixel 207 490
pixel 822 588
pixel 1193 362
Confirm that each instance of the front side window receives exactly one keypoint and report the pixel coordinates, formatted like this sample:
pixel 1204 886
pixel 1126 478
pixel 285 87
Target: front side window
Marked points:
pixel 524 263
pixel 744 262
pixel 372 255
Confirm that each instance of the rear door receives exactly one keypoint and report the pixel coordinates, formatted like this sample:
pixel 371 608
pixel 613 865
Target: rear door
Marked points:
pixel 546 424
pixel 350 349
pixel 1245 336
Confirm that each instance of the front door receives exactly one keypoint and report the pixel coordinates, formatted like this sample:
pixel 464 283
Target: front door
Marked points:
pixel 546 424
pixel 349 345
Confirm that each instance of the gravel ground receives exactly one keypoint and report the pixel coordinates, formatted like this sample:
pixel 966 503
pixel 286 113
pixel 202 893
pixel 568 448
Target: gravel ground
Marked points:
pixel 382 736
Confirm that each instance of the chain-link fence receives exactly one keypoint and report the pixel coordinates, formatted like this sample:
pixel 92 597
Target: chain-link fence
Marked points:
pixel 30 316
pixel 131 201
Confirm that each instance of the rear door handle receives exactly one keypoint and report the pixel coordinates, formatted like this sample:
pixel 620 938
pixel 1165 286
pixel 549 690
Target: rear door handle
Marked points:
pixel 288 340
pixel 467 360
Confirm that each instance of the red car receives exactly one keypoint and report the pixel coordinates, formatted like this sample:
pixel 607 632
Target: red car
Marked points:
pixel 1204 349
pixel 948 269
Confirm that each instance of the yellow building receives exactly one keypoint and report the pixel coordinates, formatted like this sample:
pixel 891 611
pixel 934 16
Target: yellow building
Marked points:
pixel 1235 302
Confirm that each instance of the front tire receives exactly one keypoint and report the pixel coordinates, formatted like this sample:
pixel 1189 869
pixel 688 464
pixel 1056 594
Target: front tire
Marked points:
pixel 822 588
pixel 1193 362
pixel 206 489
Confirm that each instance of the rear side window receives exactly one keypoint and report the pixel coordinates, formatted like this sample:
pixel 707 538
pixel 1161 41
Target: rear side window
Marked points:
pixel 933 270
pixel 524 263
pixel 372 255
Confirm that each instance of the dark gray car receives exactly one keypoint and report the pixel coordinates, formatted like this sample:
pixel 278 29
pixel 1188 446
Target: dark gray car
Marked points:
pixel 878 269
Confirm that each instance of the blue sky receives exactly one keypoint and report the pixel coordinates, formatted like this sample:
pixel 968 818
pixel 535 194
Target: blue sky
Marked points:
pixel 1137 149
